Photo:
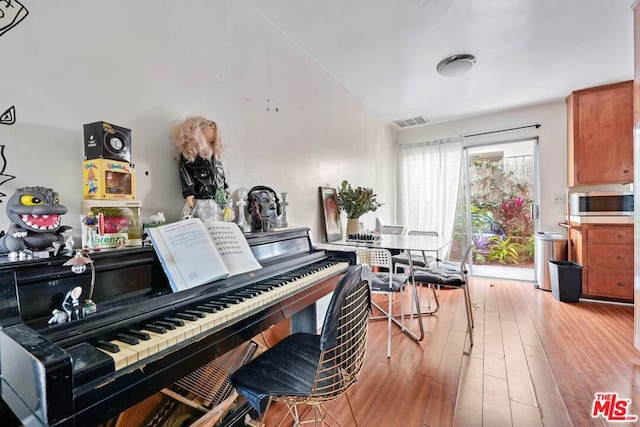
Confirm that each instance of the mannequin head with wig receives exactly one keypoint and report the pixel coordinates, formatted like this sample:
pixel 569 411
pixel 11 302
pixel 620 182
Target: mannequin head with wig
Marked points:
pixel 196 136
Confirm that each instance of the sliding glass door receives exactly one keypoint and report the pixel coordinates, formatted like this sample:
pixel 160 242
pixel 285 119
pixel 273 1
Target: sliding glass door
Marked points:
pixel 497 208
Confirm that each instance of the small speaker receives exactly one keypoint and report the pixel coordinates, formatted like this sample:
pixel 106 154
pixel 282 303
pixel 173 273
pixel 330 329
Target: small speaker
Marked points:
pixel 104 140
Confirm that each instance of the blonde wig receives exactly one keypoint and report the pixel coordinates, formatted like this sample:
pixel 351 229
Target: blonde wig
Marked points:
pixel 190 142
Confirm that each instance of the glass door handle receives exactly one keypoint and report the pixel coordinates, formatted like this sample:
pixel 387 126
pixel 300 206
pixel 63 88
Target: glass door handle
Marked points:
pixel 535 211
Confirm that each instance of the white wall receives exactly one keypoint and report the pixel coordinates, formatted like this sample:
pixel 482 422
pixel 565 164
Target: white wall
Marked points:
pixel 552 139
pixel 285 122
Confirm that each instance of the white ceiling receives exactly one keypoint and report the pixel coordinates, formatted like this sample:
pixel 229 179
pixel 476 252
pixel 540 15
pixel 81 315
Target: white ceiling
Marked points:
pixel 528 51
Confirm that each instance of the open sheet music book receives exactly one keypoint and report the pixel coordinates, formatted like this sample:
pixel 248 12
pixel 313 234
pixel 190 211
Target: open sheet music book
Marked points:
pixel 193 252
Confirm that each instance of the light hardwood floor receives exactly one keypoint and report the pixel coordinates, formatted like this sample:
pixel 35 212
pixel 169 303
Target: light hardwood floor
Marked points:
pixel 535 362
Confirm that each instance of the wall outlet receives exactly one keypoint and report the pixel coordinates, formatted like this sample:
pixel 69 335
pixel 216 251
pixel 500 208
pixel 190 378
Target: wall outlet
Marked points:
pixel 559 199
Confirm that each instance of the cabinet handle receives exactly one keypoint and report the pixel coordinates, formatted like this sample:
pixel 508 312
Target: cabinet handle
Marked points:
pixel 621 235
pixel 620 257
pixel 620 283
pixel 625 171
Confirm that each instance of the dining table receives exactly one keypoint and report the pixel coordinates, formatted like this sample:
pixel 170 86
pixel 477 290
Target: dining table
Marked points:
pixel 411 244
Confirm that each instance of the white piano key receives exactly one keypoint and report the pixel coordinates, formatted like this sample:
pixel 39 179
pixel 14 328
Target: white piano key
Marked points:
pixel 123 358
pixel 202 326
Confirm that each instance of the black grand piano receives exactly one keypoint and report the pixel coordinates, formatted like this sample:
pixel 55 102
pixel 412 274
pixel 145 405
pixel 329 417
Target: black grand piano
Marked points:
pixel 64 375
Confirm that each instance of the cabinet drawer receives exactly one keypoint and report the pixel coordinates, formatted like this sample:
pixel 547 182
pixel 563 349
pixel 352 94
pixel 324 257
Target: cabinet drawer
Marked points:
pixel 612 257
pixel 608 283
pixel 611 235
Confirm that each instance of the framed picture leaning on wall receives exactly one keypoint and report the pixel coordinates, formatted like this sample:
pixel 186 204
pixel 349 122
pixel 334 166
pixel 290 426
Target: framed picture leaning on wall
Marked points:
pixel 330 213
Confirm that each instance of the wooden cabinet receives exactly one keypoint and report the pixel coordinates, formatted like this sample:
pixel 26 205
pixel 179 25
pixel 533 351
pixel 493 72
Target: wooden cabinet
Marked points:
pixel 575 244
pixel 600 135
pixel 605 252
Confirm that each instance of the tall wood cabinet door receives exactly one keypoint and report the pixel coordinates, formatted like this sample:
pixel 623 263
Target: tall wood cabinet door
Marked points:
pixel 601 135
pixel 575 245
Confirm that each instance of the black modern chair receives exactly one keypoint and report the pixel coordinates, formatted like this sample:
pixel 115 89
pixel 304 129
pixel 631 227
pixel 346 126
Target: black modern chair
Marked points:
pixel 451 278
pixel 309 369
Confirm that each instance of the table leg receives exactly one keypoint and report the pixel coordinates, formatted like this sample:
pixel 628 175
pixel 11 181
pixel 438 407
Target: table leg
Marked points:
pixel 415 305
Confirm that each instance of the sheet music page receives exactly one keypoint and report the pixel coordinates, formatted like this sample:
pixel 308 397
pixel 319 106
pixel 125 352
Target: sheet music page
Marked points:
pixel 187 254
pixel 232 247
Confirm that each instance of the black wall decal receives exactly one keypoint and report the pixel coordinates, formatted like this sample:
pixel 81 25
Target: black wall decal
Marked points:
pixel 9 116
pixel 11 13
pixel 3 177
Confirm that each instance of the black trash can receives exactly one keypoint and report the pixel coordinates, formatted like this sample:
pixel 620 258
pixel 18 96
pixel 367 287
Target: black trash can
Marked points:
pixel 566 280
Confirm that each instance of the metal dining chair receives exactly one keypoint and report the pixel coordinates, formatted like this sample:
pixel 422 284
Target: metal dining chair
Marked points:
pixel 418 260
pixel 456 279
pixel 387 282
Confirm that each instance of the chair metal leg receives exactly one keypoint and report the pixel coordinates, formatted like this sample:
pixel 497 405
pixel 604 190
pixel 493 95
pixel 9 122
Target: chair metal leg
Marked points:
pixel 389 326
pixel 468 296
pixel 320 415
pixel 467 305
pixel 353 413
pixel 388 316
pixel 435 298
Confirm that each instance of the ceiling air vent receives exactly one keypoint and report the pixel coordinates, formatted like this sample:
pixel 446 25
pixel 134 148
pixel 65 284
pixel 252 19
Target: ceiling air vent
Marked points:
pixel 415 121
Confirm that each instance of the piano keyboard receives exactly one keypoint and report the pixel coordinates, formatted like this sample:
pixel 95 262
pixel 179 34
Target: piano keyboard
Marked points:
pixel 135 345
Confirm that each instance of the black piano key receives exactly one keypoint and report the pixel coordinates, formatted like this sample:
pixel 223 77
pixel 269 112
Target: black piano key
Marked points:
pixel 129 339
pixel 168 325
pixel 207 309
pixel 156 328
pixel 175 321
pixel 197 313
pixel 281 283
pixel 250 293
pixel 232 299
pixel 186 316
pixel 139 334
pixel 217 305
pixel 108 346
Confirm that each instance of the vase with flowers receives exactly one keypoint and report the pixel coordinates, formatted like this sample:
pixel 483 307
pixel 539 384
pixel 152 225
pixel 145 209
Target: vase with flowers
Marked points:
pixel 356 202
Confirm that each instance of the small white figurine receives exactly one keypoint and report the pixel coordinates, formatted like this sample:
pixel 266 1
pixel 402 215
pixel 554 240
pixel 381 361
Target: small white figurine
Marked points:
pixel 58 317
pixel 157 218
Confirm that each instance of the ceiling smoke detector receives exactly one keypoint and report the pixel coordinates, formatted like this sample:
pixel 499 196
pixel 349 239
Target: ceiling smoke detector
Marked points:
pixel 456 65
pixel 415 121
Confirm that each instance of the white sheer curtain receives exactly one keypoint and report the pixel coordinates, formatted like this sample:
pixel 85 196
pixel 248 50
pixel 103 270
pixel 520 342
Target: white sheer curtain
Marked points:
pixel 428 182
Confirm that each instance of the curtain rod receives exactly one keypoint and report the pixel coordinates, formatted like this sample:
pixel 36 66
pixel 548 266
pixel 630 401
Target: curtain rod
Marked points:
pixel 503 130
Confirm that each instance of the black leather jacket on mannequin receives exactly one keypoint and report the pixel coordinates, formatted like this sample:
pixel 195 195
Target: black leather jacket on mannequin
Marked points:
pixel 203 179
